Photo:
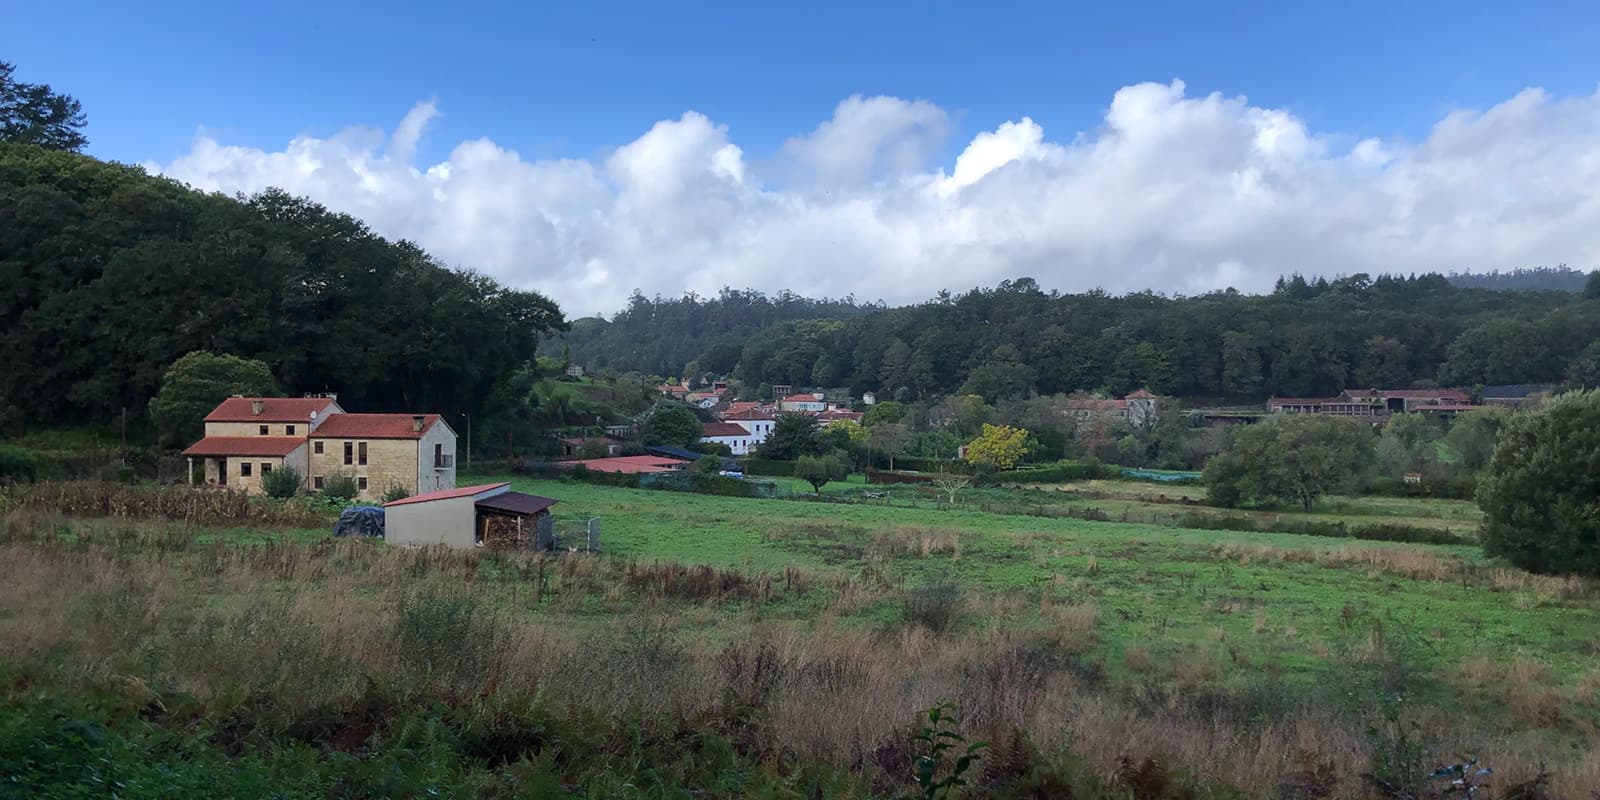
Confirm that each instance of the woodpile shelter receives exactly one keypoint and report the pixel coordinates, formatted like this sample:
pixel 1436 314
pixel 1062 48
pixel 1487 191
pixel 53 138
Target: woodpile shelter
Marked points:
pixel 490 515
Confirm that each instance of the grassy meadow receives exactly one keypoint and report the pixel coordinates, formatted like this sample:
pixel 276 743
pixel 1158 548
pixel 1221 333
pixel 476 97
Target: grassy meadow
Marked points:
pixel 730 647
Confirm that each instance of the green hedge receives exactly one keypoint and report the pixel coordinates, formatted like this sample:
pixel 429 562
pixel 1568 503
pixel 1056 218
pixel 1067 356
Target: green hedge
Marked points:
pixel 1052 473
pixel 763 466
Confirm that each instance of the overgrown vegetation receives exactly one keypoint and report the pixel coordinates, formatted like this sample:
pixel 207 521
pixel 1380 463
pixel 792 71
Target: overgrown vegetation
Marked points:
pixel 1541 495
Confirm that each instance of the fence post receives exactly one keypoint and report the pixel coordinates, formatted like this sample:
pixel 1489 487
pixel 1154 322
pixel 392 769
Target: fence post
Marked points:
pixel 594 534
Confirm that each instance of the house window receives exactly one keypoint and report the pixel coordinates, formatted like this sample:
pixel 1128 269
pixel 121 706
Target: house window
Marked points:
pixel 263 430
pixel 244 469
pixel 361 483
pixel 438 455
pixel 288 430
pixel 316 483
pixel 266 469
pixel 362 458
pixel 349 452
pixel 316 447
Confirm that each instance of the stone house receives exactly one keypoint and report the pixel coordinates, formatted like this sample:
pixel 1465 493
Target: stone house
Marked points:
pixel 415 452
pixel 249 437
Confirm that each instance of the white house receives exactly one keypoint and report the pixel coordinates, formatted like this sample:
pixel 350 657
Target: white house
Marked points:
pixel 735 436
pixel 803 402
pixel 869 399
pixel 757 423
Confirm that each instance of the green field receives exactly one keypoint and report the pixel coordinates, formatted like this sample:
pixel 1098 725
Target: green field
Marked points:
pixel 1276 601
pixel 732 647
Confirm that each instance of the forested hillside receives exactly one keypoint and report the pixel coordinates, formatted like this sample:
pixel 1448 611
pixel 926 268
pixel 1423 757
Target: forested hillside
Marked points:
pixel 108 275
pixel 691 334
pixel 1305 338
pixel 1529 279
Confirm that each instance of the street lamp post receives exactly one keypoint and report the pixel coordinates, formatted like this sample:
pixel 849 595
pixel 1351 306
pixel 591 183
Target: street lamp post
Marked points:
pixel 469 438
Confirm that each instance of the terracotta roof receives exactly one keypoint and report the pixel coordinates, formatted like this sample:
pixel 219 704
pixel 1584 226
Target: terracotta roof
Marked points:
pixel 1303 401
pixel 1142 394
pixel 273 409
pixel 373 426
pixel 752 413
pixel 628 464
pixel 802 398
pixel 275 446
pixel 446 494
pixel 723 429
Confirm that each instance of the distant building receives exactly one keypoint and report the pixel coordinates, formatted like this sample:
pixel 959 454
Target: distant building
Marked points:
pixel 803 402
pixel 1137 408
pixel 755 422
pixel 574 371
pixel 1377 404
pixel 869 399
pixel 1523 395
pixel 738 439
pixel 781 390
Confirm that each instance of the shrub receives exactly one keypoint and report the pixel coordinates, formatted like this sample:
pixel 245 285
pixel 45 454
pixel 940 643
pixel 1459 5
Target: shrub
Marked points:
pixel 18 464
pixel 339 487
pixel 935 606
pixel 395 492
pixel 1541 494
pixel 282 482
pixel 820 470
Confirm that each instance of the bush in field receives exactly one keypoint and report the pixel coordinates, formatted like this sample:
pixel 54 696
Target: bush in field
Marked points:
pixel 395 492
pixel 936 606
pixel 1290 458
pixel 17 464
pixel 282 482
pixel 1541 494
pixel 339 487
pixel 820 470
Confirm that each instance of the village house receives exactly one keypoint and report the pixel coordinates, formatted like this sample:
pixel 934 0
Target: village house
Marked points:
pixel 249 437
pixel 738 439
pixel 755 421
pixel 803 402
pixel 1138 408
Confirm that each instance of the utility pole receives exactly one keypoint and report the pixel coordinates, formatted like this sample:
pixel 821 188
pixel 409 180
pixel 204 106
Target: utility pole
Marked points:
pixel 469 438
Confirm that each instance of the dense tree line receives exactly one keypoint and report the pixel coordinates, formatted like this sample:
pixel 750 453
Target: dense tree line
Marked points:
pixel 1526 279
pixel 1306 338
pixel 691 335
pixel 108 275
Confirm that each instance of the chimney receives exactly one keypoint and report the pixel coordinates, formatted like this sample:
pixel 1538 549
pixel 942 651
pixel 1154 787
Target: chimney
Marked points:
pixel 256 407
pixel 416 423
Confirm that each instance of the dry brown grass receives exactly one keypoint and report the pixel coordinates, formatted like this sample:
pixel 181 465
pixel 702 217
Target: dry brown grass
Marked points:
pixel 304 625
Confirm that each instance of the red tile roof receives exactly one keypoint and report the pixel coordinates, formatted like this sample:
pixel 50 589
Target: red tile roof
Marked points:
pixel 723 429
pixel 275 446
pixel 373 426
pixel 273 409
pixel 446 494
pixel 1142 394
pixel 630 465
pixel 802 398
pixel 751 413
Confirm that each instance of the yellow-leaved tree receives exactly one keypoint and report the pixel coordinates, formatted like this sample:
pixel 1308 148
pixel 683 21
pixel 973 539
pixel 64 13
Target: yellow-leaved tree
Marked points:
pixel 998 447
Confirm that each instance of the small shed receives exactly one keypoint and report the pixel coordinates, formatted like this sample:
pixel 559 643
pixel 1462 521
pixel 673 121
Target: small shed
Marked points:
pixel 489 515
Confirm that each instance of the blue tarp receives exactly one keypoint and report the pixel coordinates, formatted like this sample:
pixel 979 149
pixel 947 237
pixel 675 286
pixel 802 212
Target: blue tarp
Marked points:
pixel 1160 476
pixel 359 521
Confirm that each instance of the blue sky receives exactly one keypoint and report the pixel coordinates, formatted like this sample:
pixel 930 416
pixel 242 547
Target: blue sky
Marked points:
pixel 886 150
pixel 573 80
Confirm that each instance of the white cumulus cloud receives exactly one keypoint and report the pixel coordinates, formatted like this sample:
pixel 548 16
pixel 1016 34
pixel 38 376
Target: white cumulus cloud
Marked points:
pixel 1172 192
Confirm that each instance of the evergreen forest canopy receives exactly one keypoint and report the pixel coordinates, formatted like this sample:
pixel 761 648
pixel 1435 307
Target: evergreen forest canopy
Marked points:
pixel 109 275
pixel 1308 337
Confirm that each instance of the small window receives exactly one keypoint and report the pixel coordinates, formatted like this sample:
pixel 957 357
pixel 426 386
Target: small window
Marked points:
pixel 361 483
pixel 244 469
pixel 316 447
pixel 316 483
pixel 288 430
pixel 362 459
pixel 263 430
pixel 349 452
pixel 266 469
